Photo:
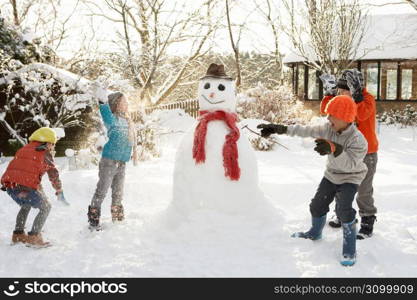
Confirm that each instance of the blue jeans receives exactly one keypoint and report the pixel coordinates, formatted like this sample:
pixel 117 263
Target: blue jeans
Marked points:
pixel 28 198
pixel 327 192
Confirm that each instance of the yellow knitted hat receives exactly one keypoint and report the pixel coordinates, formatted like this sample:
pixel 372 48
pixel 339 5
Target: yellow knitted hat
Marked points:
pixel 44 135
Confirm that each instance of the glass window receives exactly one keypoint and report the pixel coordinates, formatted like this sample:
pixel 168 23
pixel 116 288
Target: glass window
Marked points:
pixel 406 83
pixel 409 80
pixel 292 77
pixel 370 73
pixel 313 84
pixel 301 91
pixel 388 85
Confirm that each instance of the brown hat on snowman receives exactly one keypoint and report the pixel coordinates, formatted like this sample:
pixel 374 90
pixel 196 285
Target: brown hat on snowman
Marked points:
pixel 216 71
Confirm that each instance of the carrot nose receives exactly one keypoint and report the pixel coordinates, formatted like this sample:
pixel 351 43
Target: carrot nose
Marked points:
pixel 211 95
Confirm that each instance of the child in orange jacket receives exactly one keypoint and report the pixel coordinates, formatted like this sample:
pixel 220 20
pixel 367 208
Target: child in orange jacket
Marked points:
pixel 22 182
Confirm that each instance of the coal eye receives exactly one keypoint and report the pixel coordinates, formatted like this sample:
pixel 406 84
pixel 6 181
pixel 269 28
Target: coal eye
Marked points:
pixel 221 87
pixel 207 86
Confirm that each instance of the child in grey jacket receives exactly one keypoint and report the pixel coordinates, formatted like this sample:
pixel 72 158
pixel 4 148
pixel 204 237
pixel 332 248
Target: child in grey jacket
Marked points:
pixel 345 147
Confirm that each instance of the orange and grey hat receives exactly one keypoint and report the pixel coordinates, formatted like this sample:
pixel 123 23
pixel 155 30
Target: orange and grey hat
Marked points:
pixel 342 107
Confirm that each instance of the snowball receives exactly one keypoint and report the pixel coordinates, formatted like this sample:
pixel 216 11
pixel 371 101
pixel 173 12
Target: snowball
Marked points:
pixel 60 132
pixel 99 91
pixel 28 35
pixel 69 152
pixel 100 141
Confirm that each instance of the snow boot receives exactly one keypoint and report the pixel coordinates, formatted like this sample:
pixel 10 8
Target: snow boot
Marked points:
pixel 94 217
pixel 335 222
pixel 117 213
pixel 19 236
pixel 315 231
pixel 367 227
pixel 349 244
pixel 35 240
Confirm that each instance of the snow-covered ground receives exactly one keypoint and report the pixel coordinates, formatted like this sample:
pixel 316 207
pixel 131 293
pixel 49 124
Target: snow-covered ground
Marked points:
pixel 151 243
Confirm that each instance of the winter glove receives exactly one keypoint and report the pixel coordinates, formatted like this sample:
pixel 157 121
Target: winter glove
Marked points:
pixel 325 147
pixel 60 197
pixel 354 81
pixel 100 92
pixel 329 84
pixel 3 188
pixel 268 129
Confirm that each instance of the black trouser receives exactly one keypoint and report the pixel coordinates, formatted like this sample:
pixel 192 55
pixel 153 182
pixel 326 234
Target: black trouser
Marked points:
pixel 344 194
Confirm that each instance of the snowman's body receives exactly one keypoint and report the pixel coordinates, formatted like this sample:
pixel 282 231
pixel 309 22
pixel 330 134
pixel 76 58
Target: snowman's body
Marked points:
pixel 205 185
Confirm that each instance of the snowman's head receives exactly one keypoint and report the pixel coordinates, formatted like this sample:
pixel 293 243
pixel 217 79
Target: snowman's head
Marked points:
pixel 216 91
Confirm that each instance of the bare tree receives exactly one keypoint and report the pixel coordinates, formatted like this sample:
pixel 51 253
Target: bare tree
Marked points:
pixel 148 30
pixel 273 22
pixel 234 46
pixel 20 11
pixel 49 20
pixel 326 33
pixel 413 3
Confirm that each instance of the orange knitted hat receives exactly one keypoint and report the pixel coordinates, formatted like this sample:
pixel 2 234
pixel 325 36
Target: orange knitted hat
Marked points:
pixel 342 107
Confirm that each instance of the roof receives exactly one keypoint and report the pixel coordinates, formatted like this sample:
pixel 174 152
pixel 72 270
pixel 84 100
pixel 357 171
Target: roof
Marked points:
pixel 386 37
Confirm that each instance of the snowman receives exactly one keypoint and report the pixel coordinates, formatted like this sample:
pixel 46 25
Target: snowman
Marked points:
pixel 215 165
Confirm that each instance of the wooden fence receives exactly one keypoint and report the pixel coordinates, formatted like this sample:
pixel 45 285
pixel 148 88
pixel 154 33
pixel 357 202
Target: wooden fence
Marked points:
pixel 189 106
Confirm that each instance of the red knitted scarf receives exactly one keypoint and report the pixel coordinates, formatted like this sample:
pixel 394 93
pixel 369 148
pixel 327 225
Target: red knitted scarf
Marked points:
pixel 230 152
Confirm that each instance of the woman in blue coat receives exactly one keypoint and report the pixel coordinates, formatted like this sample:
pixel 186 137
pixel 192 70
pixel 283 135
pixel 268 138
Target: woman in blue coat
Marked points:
pixel 116 153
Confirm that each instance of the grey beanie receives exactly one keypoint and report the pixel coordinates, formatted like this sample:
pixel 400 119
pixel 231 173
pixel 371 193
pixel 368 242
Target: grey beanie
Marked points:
pixel 113 99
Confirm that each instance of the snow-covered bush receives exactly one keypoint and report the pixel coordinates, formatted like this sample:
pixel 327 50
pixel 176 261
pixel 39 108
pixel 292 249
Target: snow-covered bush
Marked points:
pixel 16 45
pixel 147 136
pixel 40 95
pixel 248 129
pixel 276 106
pixel 404 117
pixel 262 144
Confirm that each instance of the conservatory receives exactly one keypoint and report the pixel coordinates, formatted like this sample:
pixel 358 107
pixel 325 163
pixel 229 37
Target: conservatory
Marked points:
pixel 388 63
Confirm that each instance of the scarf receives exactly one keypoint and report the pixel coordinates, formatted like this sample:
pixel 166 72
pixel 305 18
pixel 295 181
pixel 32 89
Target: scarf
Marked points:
pixel 230 151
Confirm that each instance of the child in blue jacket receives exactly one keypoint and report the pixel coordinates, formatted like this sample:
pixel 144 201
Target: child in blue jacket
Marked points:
pixel 116 153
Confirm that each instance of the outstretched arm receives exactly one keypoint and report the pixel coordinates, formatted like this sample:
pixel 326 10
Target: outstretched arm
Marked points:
pixel 316 131
pixel 107 115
